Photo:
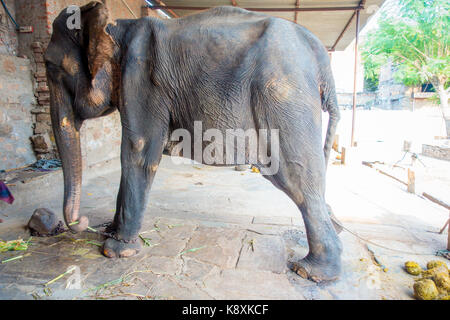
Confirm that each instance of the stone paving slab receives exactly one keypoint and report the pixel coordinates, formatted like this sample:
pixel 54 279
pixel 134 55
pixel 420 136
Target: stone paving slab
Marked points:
pixel 227 263
pixel 263 252
pixel 200 249
pixel 193 259
pixel 286 221
pixel 217 246
pixel 183 257
pixel 250 284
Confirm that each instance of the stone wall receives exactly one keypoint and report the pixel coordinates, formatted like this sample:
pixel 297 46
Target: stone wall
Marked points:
pixel 363 100
pixel 437 151
pixel 16 104
pixel 8 35
pixel 100 138
pixel 390 94
pixel 31 13
pixel 25 124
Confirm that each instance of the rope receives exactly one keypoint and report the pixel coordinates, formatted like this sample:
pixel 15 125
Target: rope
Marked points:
pixel 128 7
pixel 379 245
pixel 46 165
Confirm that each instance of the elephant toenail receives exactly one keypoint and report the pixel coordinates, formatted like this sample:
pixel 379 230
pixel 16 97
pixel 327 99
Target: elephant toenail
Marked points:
pixel 109 253
pixel 300 271
pixel 127 253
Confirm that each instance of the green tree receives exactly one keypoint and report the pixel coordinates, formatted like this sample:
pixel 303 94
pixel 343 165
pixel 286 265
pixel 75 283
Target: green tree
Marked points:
pixel 416 39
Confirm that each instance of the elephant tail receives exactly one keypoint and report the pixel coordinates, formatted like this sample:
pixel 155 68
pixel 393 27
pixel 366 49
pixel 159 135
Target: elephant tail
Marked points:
pixel 329 103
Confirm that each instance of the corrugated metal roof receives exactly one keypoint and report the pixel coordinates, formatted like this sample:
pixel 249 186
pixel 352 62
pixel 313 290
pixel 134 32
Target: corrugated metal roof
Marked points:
pixel 328 25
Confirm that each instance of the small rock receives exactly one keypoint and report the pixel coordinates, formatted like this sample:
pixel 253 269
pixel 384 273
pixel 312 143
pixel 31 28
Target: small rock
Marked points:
pixel 44 222
pixel 241 167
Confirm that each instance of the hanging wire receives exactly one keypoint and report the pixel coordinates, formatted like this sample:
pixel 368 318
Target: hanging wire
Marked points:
pixel 9 14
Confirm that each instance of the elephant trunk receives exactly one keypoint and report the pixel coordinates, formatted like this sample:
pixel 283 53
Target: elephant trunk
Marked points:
pixel 66 130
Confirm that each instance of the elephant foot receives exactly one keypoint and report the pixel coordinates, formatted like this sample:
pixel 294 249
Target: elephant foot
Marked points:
pixel 118 249
pixel 308 268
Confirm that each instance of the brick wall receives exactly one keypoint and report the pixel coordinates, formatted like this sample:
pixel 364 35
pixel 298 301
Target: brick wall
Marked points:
pixel 31 13
pixel 100 137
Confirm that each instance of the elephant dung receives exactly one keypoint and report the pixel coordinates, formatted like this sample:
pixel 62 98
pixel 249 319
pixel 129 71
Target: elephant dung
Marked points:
pixel 44 223
pixel 425 289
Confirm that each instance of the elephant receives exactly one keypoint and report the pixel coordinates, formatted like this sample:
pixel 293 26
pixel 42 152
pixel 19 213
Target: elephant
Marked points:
pixel 226 67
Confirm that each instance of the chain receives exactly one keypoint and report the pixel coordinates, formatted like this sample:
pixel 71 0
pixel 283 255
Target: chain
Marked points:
pixel 106 233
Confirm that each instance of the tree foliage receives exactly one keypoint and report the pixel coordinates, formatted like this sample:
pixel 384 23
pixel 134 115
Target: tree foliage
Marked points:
pixel 416 39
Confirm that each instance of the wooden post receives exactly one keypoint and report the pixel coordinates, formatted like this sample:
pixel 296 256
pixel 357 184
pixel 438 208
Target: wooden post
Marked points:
pixel 445 205
pixel 447 224
pixel 411 181
pixel 355 70
pixel 406 146
pixel 343 155
pixel 297 4
pixel 335 146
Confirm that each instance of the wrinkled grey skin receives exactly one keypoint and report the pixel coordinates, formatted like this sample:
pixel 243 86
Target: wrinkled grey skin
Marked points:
pixel 226 67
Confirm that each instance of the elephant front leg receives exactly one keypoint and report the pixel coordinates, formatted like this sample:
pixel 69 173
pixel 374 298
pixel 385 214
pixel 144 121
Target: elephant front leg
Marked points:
pixel 140 159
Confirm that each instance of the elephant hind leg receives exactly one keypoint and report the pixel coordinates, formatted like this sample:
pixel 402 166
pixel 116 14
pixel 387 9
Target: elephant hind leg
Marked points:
pixel 302 178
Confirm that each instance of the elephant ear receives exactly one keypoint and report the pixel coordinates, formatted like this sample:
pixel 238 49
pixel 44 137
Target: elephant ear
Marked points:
pixel 98 43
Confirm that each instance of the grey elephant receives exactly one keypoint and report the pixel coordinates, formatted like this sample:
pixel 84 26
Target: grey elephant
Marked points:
pixel 227 68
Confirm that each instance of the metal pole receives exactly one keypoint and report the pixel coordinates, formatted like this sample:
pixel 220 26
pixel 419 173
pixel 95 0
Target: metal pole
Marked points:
pixel 352 143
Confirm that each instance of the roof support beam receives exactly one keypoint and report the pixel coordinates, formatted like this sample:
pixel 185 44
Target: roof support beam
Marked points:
pixel 263 9
pixel 164 7
pixel 343 31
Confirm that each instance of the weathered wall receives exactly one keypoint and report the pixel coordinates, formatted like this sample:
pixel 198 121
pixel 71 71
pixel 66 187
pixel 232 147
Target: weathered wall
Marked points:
pixel 363 100
pixel 8 36
pixel 391 95
pixel 16 103
pixel 41 13
pixel 100 137
pixel 31 13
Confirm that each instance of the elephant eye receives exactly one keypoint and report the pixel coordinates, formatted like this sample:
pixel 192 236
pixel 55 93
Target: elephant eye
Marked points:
pixel 50 65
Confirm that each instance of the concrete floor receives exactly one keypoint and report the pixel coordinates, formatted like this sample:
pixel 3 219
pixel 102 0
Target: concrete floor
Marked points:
pixel 216 233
